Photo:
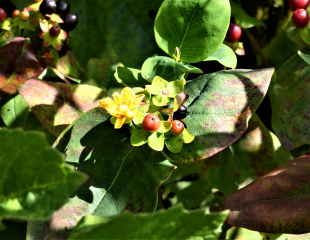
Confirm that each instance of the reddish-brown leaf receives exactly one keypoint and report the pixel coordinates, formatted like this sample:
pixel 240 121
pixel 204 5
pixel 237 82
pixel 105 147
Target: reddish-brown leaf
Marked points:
pixel 59 104
pixel 276 202
pixel 17 65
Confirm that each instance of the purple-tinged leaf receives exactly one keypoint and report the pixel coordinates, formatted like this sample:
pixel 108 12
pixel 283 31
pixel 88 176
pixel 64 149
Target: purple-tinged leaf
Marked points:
pixel 277 202
pixel 220 106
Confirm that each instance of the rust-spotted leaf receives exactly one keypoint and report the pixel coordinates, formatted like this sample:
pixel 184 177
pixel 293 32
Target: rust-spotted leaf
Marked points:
pixel 290 100
pixel 220 106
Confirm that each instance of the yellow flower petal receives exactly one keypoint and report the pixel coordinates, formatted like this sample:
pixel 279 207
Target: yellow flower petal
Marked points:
pixel 117 98
pixel 123 106
pixel 109 105
pixel 119 122
pixel 128 96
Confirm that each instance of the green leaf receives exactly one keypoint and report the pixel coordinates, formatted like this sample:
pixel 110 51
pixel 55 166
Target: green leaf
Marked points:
pixel 44 181
pixel 129 176
pixel 160 101
pixel 81 127
pixel 158 85
pixel 119 32
pixel 138 137
pixel 225 56
pixel 187 136
pixel 277 44
pixel 175 87
pixel 194 26
pixel 304 35
pixel 129 76
pixel 99 72
pixel 294 237
pixel 256 153
pixel 165 127
pixel 15 110
pixel 242 233
pixel 174 223
pixel 291 103
pixel 166 68
pixel 242 18
pixel 156 141
pixel 21 3
pixel 174 144
pixel 220 106
pixel 304 56
pixel 259 148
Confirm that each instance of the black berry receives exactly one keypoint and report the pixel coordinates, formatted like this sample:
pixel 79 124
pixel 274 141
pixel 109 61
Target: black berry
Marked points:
pixel 70 22
pixel 181 113
pixel 63 8
pixel 55 31
pixel 48 7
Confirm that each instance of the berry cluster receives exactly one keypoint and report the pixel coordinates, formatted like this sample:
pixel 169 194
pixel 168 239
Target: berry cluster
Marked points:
pixel 62 8
pixel 154 114
pixel 51 20
pixel 151 122
pixel 43 27
pixel 300 15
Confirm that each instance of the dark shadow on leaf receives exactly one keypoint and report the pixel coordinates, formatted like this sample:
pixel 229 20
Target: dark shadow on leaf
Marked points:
pixel 130 176
pixel 212 109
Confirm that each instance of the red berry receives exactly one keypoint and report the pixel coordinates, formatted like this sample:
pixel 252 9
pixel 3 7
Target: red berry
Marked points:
pixel 234 33
pixel 296 4
pixel 177 127
pixel 300 18
pixel 3 14
pixel 151 122
pixel 16 13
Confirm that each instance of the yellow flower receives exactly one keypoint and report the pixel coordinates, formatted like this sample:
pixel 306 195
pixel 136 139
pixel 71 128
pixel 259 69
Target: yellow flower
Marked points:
pixel 123 106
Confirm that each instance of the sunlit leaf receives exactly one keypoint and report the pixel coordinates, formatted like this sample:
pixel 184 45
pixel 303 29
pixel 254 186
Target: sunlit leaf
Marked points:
pixel 193 26
pixel 220 106
pixel 44 181
pixel 173 224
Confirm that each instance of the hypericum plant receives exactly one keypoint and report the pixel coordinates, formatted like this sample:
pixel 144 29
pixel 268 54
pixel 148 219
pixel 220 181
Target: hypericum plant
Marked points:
pixel 36 34
pixel 141 131
pixel 151 112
